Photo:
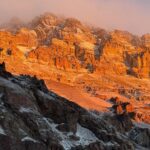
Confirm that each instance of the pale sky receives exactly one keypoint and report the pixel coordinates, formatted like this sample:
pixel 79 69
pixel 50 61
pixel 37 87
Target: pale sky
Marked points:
pixel 131 15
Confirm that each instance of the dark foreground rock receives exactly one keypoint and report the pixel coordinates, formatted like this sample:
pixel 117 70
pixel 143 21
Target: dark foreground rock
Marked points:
pixel 141 136
pixel 33 118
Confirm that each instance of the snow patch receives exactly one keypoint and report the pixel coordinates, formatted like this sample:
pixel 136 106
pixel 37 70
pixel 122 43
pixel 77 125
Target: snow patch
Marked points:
pixel 2 131
pixel 22 132
pixel 85 136
pixel 27 138
pixel 27 110
pixel 111 144
pixel 48 96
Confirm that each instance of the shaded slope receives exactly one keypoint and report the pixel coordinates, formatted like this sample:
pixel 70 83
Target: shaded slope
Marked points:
pixel 34 118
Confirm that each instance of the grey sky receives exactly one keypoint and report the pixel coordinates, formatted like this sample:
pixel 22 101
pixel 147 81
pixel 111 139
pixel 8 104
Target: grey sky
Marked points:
pixel 131 15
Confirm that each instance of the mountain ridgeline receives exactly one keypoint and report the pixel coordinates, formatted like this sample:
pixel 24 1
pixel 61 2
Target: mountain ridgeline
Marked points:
pixel 68 45
pixel 65 85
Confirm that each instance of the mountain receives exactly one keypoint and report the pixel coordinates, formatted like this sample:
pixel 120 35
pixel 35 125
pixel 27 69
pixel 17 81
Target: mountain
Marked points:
pixel 86 65
pixel 32 117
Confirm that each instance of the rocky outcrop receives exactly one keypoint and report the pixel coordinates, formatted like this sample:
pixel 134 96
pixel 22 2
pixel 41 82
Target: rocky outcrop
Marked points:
pixel 123 108
pixel 142 116
pixel 99 62
pixel 69 45
pixel 139 64
pixel 140 136
pixel 26 38
pixel 3 72
pixel 146 40
pixel 31 117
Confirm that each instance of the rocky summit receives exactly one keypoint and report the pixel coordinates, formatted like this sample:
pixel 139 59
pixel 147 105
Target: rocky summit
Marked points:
pixel 68 85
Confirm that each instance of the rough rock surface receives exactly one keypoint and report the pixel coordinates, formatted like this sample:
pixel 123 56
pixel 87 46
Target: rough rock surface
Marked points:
pixel 67 44
pixel 67 51
pixel 32 117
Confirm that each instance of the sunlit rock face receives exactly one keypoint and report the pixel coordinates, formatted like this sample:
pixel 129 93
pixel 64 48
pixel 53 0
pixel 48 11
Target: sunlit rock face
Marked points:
pixel 70 45
pixel 100 63
pixel 146 40
pixel 139 64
